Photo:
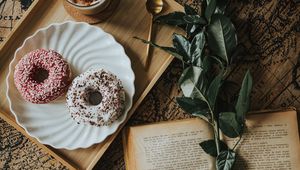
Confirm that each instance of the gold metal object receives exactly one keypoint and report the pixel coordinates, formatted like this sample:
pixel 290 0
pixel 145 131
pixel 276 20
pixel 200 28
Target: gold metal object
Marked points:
pixel 153 7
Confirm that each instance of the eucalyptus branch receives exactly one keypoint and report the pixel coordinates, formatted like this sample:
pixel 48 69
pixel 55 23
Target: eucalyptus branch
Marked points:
pixel 209 42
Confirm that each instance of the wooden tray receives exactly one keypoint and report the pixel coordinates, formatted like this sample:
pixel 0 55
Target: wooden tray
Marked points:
pixel 130 19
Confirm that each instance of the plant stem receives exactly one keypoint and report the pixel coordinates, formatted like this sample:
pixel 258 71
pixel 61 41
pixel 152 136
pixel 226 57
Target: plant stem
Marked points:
pixel 237 143
pixel 216 129
pixel 217 137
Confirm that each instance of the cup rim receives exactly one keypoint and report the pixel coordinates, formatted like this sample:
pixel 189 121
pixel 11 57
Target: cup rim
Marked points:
pixel 84 6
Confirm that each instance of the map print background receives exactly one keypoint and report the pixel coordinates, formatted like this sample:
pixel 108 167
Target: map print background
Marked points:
pixel 268 34
pixel 10 12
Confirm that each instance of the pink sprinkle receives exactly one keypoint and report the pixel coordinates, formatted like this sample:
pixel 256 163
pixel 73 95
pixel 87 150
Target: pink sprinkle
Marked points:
pixel 42 76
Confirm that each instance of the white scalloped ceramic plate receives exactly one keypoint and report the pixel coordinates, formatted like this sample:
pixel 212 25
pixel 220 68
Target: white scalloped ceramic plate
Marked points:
pixel 84 47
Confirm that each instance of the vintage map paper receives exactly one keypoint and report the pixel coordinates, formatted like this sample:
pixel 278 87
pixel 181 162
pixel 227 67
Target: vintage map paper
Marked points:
pixel 269 36
pixel 11 12
pixel 18 152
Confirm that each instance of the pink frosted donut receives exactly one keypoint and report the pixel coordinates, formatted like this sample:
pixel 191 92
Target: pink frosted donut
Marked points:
pixel 41 76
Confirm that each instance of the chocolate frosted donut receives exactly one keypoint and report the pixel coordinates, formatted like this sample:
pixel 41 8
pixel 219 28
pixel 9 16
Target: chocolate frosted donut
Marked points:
pixel 41 76
pixel 96 97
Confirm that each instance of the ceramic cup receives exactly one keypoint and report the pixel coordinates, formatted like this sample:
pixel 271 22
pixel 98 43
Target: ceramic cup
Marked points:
pixel 93 8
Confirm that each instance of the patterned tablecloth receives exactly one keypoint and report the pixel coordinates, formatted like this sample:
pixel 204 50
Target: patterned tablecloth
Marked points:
pixel 268 33
pixel 18 152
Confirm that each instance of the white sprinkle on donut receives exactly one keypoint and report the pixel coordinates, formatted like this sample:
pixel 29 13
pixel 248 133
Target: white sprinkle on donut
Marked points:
pixel 96 97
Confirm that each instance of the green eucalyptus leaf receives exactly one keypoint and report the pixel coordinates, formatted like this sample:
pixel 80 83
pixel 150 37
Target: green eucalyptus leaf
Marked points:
pixel 174 18
pixel 213 90
pixel 242 105
pixel 217 61
pixel 207 63
pixel 197 46
pixel 191 72
pixel 221 6
pixel 169 50
pixel 209 146
pixel 229 124
pixel 193 106
pixel 195 19
pixel 192 30
pixel 210 8
pixel 189 10
pixel 197 61
pixel 221 36
pixel 203 83
pixel 182 46
pixel 227 97
pixel 198 94
pixel 188 82
pixel 225 160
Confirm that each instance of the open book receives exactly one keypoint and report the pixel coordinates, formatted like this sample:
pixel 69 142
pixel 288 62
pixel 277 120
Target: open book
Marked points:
pixel 271 141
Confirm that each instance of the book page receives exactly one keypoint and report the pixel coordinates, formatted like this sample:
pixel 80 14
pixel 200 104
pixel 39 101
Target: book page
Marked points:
pixel 170 145
pixel 270 142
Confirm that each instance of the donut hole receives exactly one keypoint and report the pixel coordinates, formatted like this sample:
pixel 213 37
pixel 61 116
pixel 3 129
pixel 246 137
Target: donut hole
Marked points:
pixel 93 97
pixel 39 74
